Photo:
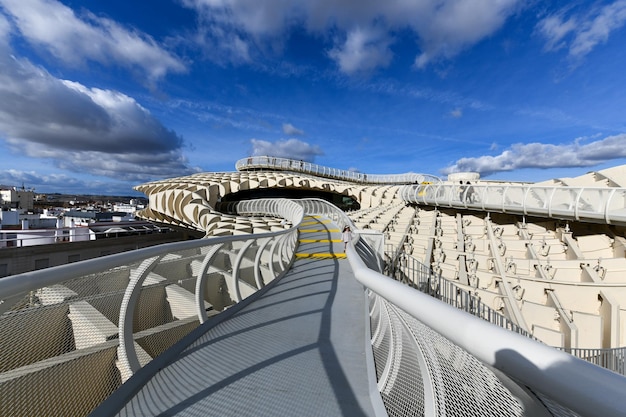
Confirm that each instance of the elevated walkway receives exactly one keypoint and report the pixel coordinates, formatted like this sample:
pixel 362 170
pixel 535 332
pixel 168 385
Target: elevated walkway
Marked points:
pixel 255 163
pixel 291 339
pixel 298 347
pixel 605 205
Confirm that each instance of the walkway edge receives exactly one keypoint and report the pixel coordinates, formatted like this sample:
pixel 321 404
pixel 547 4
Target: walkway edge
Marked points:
pixel 375 397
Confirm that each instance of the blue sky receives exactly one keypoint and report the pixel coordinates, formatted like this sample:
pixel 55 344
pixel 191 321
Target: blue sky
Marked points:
pixel 98 96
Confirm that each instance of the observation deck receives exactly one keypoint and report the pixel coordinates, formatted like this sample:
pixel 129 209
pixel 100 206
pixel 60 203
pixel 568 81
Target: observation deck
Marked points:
pixel 275 319
pixel 598 204
pixel 255 163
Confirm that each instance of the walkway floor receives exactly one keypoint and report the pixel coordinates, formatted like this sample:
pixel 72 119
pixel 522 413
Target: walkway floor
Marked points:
pixel 299 350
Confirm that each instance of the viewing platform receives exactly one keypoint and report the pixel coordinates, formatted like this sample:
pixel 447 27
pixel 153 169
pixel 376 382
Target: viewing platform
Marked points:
pixel 254 163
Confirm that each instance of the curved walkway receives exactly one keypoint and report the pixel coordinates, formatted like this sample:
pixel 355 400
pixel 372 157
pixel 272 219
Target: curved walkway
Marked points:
pixel 300 348
pixel 254 163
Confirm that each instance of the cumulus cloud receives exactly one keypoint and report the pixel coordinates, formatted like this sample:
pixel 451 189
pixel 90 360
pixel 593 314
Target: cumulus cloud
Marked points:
pixel 581 32
pixel 364 49
pixel 361 30
pixel 448 27
pixel 83 129
pixel 290 148
pixel 291 130
pixel 580 153
pixel 77 39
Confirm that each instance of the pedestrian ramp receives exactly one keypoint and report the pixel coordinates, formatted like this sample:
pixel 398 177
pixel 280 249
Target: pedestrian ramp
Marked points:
pixel 319 239
pixel 300 346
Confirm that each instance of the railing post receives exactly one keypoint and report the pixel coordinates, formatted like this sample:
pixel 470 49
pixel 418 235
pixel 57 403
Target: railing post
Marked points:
pixel 236 268
pixel 201 282
pixel 258 278
pixel 128 357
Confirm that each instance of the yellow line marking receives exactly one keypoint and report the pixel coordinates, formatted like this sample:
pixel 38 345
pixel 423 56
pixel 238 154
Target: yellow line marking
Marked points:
pixel 312 217
pixel 321 230
pixel 321 255
pixel 315 222
pixel 320 240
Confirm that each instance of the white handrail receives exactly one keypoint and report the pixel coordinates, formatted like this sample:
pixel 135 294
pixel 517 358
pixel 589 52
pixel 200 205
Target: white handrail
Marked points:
pixel 592 204
pixel 89 293
pixel 29 281
pixel 269 162
pixel 38 237
pixel 585 388
pixel 14 286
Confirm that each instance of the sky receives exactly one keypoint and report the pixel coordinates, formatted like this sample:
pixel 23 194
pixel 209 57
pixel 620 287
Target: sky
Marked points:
pixel 99 96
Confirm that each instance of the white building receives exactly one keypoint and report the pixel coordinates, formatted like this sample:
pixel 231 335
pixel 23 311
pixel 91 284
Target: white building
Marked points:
pixel 17 198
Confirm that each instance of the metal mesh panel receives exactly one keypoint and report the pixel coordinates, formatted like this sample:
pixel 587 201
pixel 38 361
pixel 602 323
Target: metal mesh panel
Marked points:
pixel 156 341
pixel 460 384
pixel 55 339
pixel 42 389
pixel 403 394
pixel 59 347
pixel 382 344
pixel 21 344
pixel 110 281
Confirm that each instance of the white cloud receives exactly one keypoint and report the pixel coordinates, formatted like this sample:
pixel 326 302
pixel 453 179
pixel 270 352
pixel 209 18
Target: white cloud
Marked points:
pixel 448 27
pixel 598 29
pixel 542 155
pixel 364 49
pixel 555 29
pixel 291 130
pixel 457 113
pixel 290 148
pixel 361 30
pixel 5 30
pixel 75 40
pixel 83 129
pixel 582 32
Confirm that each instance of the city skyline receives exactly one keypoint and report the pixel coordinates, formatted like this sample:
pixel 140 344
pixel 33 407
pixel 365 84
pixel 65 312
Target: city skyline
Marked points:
pixel 98 97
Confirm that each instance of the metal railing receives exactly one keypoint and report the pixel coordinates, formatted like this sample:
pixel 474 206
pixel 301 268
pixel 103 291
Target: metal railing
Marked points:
pixel 591 204
pixel 284 164
pixel 394 253
pixel 439 336
pixel 70 335
pixel 412 272
pixel 62 329
pixel 430 360
pixel 611 358
pixel 433 359
pixel 36 237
